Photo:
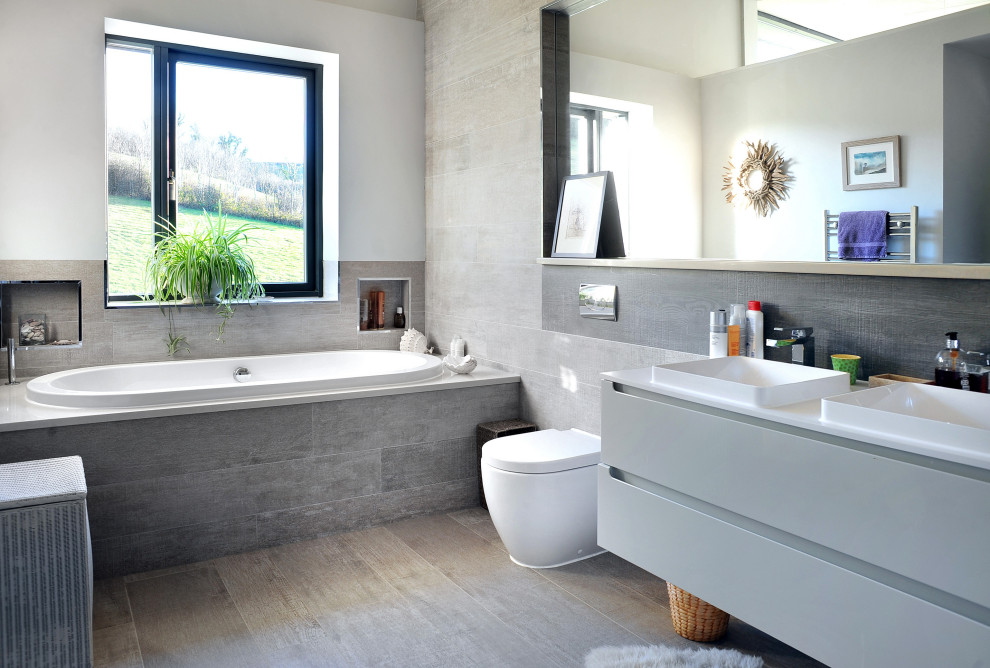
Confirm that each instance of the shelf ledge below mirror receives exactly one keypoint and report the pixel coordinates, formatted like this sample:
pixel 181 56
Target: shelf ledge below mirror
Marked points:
pixel 967 271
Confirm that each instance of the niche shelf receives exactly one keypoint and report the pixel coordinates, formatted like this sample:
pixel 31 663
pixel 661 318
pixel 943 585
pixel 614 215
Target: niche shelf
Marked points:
pixel 397 291
pixel 41 314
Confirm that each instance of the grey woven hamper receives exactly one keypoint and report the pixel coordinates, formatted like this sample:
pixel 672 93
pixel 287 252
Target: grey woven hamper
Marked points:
pixel 46 573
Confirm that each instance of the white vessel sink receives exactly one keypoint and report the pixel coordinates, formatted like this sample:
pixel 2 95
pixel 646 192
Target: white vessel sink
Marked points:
pixel 749 381
pixel 942 418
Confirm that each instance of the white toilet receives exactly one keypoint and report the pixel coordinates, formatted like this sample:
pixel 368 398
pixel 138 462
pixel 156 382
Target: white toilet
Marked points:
pixel 542 494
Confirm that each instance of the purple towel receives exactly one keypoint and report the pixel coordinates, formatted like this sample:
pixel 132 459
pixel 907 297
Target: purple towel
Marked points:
pixel 862 235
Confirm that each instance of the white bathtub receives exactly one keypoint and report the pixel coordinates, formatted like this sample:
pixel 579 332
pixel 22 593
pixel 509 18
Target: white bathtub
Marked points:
pixel 165 383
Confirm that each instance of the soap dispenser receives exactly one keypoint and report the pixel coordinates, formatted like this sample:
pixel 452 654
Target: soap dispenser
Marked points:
pixel 949 371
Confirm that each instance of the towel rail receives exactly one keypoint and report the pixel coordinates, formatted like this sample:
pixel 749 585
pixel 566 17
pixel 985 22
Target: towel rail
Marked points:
pixel 898 225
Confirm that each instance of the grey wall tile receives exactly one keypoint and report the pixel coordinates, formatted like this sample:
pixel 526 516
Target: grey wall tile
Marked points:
pixel 488 195
pixel 502 144
pixel 158 447
pixel 464 409
pixel 442 497
pixel 515 38
pixel 895 324
pixel 303 522
pixel 423 464
pixel 134 553
pixel 455 24
pixel 505 92
pixel 140 506
pixel 376 422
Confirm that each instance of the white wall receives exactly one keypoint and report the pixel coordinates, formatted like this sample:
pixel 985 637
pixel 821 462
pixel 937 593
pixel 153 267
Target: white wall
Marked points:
pixel 665 192
pixel 691 38
pixel 52 165
pixel 887 84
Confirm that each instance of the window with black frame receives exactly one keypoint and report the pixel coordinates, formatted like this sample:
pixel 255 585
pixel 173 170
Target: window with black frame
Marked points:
pixel 598 139
pixel 193 130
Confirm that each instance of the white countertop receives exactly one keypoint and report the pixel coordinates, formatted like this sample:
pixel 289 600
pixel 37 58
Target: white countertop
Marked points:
pixel 16 412
pixel 807 415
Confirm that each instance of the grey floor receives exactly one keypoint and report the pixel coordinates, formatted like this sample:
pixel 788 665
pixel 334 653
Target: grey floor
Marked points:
pixel 429 591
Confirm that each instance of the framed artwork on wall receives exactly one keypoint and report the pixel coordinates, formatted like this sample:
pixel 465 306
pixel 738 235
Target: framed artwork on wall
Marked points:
pixel 871 163
pixel 588 218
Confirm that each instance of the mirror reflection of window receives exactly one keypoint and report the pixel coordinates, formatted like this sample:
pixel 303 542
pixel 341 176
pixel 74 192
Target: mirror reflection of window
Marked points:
pixel 599 143
pixel 777 37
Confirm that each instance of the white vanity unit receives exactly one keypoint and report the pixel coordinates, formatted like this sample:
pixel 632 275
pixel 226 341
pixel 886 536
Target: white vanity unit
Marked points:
pixel 858 546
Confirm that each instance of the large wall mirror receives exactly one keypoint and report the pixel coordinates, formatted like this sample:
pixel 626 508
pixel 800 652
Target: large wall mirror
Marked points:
pixel 660 93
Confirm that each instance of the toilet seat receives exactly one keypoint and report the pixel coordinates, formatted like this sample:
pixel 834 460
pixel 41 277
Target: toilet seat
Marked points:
pixel 546 451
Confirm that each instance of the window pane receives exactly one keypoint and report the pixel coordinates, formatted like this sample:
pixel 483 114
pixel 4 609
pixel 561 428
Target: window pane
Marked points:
pixel 242 144
pixel 579 145
pixel 614 157
pixel 130 222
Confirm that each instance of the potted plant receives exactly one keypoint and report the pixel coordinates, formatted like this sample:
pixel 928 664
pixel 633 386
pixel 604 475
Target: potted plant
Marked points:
pixel 206 266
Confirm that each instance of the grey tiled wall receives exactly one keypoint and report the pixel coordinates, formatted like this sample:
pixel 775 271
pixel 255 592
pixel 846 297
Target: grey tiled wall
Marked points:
pixel 173 490
pixel 897 325
pixel 484 235
pixel 121 336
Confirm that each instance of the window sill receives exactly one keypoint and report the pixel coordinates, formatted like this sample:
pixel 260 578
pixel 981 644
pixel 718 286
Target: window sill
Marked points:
pixel 251 302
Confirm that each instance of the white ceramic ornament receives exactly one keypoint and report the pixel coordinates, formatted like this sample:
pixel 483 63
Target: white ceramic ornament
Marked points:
pixel 460 364
pixel 413 341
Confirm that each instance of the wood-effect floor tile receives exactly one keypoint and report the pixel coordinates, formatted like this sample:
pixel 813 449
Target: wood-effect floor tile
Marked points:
pixel 469 634
pixel 116 647
pixel 188 619
pixel 269 605
pixel 435 591
pixel 110 604
pixel 366 623
pixel 472 563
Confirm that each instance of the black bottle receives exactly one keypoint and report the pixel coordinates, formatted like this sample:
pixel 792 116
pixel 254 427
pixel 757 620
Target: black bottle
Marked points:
pixel 949 367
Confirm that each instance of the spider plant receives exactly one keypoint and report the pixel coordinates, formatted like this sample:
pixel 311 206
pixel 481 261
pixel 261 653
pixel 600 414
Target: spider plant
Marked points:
pixel 206 266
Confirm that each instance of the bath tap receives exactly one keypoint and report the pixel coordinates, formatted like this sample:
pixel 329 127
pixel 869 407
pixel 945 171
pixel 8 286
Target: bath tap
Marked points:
pixel 800 341
pixel 11 370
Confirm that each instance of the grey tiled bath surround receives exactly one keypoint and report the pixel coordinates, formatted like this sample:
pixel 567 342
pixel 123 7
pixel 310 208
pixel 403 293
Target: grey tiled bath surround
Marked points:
pixel 173 490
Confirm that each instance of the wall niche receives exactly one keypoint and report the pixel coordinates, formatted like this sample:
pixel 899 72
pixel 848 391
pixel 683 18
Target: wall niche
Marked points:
pixel 35 314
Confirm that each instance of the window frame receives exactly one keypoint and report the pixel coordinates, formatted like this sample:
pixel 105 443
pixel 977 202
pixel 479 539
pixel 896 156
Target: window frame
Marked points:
pixel 594 115
pixel 165 57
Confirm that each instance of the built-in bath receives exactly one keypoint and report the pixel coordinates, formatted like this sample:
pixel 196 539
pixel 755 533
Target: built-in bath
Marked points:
pixel 186 381
pixel 182 482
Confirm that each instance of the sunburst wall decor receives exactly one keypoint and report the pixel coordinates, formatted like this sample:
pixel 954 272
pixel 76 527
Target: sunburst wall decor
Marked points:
pixel 760 179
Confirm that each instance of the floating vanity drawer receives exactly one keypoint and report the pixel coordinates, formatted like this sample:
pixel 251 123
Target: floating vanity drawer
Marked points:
pixel 926 524
pixel 838 616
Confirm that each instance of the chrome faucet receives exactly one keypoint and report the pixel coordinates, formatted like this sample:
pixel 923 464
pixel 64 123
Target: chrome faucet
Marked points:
pixel 800 341
pixel 11 370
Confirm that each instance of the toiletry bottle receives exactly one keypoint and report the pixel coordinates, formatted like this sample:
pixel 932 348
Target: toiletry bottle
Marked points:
pixel 380 316
pixel 718 338
pixel 948 365
pixel 754 330
pixel 399 321
pixel 457 347
pixel 737 329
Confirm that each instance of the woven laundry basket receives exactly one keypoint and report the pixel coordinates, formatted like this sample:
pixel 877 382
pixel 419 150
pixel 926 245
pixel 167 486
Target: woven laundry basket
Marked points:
pixel 695 619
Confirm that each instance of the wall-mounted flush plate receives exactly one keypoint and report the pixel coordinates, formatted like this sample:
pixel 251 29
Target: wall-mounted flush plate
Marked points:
pixel 597 301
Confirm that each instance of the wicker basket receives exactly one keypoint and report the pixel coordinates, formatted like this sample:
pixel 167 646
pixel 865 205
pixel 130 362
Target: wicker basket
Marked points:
pixel 695 619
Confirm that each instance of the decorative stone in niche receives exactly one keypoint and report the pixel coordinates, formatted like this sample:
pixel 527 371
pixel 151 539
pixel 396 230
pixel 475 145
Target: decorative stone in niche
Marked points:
pixel 41 313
